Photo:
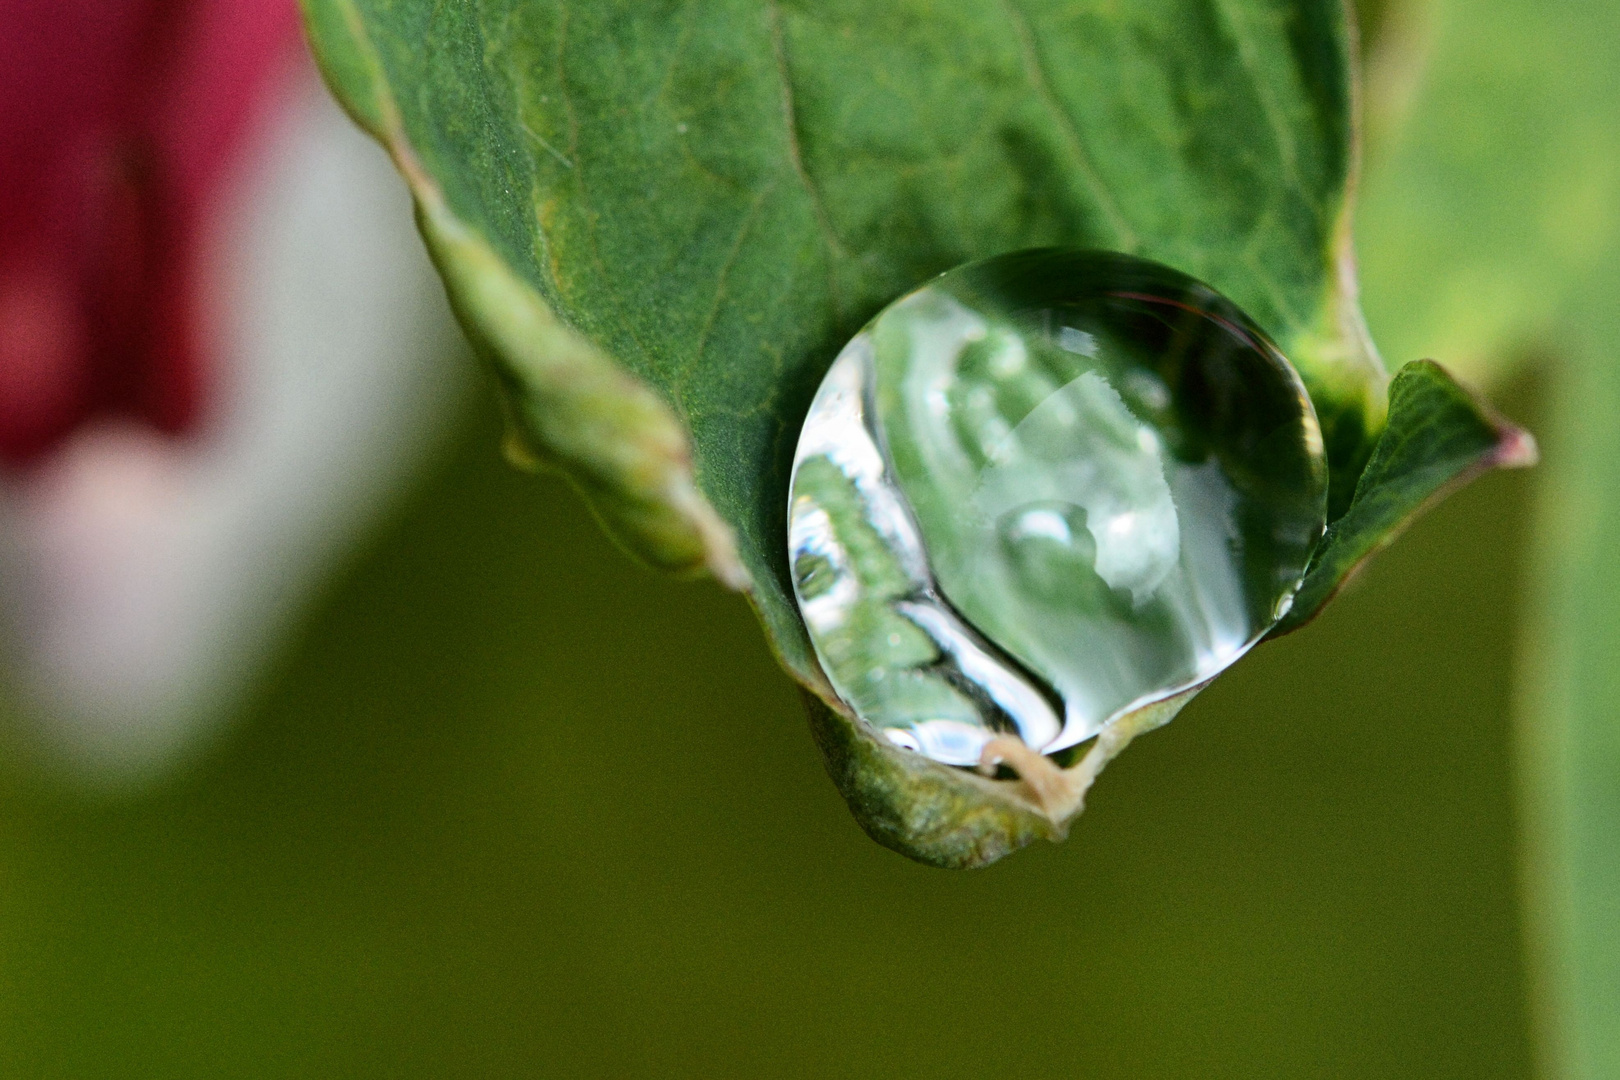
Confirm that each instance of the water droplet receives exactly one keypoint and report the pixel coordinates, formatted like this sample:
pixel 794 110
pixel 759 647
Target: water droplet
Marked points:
pixel 1044 490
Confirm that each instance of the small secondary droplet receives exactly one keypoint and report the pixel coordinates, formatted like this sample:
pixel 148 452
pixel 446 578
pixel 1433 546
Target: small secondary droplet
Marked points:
pixel 1044 490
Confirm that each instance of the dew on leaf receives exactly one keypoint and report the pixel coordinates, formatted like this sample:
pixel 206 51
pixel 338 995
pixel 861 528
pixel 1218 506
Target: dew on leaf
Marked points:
pixel 1045 490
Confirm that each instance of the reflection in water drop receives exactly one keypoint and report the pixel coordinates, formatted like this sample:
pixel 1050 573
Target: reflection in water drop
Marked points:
pixel 1082 445
pixel 1044 490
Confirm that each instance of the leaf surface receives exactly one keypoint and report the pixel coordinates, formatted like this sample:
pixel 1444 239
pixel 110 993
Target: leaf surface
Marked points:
pixel 660 220
pixel 717 195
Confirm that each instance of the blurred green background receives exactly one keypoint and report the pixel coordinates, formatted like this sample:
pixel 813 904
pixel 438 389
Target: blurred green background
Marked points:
pixel 513 807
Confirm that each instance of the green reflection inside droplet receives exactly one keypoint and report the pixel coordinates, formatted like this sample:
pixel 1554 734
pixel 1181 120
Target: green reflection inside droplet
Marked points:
pixel 1043 490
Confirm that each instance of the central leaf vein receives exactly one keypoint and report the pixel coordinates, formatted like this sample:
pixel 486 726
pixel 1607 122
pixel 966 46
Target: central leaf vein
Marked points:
pixel 1035 71
pixel 790 119
pixel 750 217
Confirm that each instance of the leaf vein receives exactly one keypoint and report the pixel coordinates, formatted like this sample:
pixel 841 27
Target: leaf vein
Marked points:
pixel 589 215
pixel 1035 72
pixel 1287 150
pixel 795 154
pixel 732 256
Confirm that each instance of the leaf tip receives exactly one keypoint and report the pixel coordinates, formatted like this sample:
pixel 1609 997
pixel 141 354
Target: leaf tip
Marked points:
pixel 1517 449
pixel 1440 434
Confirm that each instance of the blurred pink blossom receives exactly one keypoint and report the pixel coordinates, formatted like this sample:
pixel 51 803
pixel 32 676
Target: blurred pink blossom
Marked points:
pixel 119 120
pixel 221 348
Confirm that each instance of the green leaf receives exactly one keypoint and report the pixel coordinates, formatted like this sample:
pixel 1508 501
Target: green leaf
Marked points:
pixel 1439 436
pixel 1569 743
pixel 660 220
pixel 1488 194
pixel 1490 235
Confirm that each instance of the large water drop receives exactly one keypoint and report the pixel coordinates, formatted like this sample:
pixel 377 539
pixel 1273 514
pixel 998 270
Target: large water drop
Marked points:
pixel 1044 490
